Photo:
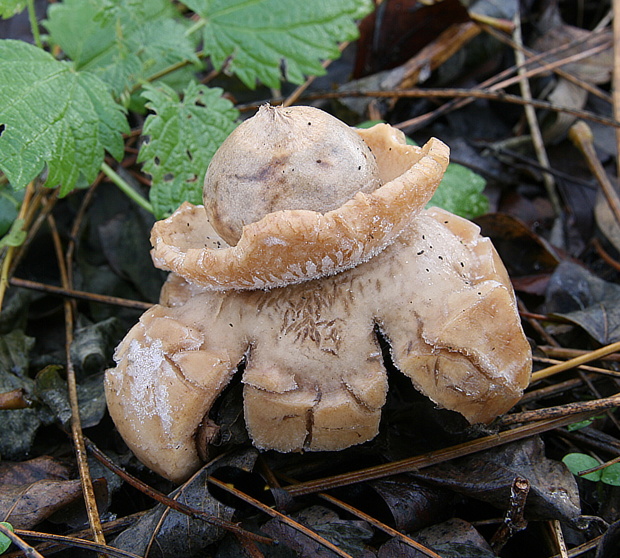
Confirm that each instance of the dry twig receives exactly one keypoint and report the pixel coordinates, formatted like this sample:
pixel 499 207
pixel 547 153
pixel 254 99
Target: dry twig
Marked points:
pixel 76 423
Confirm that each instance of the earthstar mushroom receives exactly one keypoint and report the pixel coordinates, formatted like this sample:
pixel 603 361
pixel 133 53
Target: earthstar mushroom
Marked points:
pixel 300 308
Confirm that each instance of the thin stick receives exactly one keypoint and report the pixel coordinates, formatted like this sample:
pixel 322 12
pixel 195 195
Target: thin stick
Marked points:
pixel 581 135
pixel 592 37
pixel 369 519
pixel 583 367
pixel 171 502
pixel 81 295
pixel 564 352
pixel 74 542
pixel 572 363
pixel 280 516
pixel 499 96
pixel 76 423
pixel 494 83
pixel 379 525
pixel 28 551
pixel 514 521
pixel 581 549
pixel 294 96
pixel 562 410
pixel 616 70
pixel 8 257
pixel 431 458
pixel 558 536
pixel 532 119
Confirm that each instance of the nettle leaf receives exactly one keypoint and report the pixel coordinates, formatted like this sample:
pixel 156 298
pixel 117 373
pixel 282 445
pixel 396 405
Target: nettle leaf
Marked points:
pixel 54 116
pixel 9 8
pixel 123 41
pixel 183 134
pixel 267 40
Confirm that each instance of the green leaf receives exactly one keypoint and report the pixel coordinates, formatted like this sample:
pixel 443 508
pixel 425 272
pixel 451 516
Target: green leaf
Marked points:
pixel 121 41
pixel 611 474
pixel 460 192
pixel 15 236
pixel 55 116
pixel 578 462
pixel 582 423
pixel 182 135
pixel 5 542
pixel 9 8
pixel 267 40
pixel 10 202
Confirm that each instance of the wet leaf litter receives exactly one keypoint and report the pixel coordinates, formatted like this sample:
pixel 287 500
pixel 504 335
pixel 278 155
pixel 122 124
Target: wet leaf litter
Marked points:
pixel 566 312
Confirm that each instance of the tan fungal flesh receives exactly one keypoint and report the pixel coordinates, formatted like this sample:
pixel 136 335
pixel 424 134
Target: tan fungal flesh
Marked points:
pixel 291 246
pixel 314 377
pixel 285 158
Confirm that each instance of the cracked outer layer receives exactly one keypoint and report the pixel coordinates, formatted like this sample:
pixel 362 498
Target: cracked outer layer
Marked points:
pixel 314 376
pixel 291 246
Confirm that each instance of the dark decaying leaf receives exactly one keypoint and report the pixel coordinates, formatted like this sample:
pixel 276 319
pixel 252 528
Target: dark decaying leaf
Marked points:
pixel 93 344
pixel 172 534
pixel 586 300
pixel 348 534
pixel 51 389
pixel 555 34
pixel 488 476
pixel 412 505
pixel 529 259
pixel 15 310
pixel 125 243
pixel 396 31
pixel 454 538
pixel 24 506
pixel 39 468
pixel 19 426
pixel 610 542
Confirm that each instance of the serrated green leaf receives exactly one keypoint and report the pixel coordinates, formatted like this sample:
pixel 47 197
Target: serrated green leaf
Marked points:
pixel 121 41
pixel 460 192
pixel 267 40
pixel 5 542
pixel 578 462
pixel 182 135
pixel 54 116
pixel 9 8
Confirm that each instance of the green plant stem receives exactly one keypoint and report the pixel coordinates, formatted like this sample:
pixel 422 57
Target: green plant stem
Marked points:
pixel 126 188
pixel 34 24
